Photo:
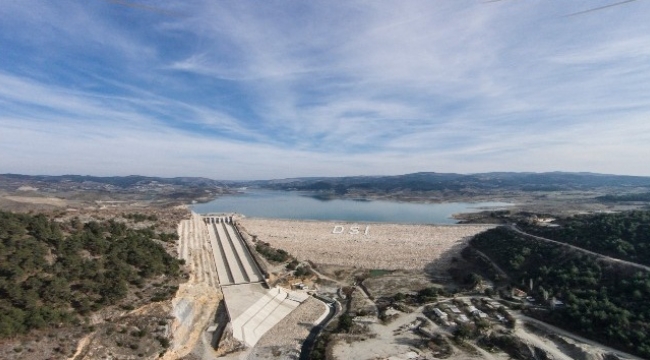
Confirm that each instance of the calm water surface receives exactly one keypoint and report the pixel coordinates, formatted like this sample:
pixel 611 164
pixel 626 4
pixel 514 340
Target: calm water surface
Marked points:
pixel 302 206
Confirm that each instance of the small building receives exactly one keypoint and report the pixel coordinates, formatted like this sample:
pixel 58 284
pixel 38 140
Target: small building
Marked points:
pixel 518 293
pixel 411 355
pixel 555 303
pixel 496 305
pixel 390 311
pixel 463 318
pixel 455 309
pixel 441 314
pixel 299 286
pixel 365 320
pixel 480 314
pixel 472 309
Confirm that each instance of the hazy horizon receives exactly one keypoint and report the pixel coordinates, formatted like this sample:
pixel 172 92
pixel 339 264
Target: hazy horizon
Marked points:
pixel 325 176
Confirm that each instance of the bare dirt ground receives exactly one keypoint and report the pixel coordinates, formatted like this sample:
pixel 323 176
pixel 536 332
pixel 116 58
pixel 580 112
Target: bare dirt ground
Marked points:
pixel 196 301
pixel 574 345
pixel 393 339
pixel 386 246
pixel 21 203
pixel 38 200
pixel 135 335
pixel 51 344
pixel 398 281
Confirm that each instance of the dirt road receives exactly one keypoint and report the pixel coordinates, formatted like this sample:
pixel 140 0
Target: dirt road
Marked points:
pixel 600 256
pixel 556 330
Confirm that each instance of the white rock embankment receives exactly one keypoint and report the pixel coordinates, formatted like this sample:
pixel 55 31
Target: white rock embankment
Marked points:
pixel 382 246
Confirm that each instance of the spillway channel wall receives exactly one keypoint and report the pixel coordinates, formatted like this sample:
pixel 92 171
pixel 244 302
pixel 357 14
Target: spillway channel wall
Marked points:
pixel 251 249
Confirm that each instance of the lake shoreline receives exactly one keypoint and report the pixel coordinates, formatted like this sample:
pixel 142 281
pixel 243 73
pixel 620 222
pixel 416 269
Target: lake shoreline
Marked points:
pixel 305 206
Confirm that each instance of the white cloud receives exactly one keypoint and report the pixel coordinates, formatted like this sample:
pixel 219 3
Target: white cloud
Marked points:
pixel 321 88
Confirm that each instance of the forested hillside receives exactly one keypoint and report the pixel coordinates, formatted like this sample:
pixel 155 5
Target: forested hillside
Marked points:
pixel 55 273
pixel 644 197
pixel 623 235
pixel 118 181
pixel 486 182
pixel 604 301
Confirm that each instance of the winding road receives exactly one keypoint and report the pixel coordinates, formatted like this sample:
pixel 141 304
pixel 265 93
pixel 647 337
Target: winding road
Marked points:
pixel 308 345
pixel 600 256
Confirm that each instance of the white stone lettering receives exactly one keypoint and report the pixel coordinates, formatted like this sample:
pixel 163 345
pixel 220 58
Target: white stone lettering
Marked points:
pixel 354 230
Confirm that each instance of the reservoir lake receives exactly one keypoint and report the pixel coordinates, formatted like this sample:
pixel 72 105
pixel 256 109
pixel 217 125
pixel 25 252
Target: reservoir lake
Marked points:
pixel 307 206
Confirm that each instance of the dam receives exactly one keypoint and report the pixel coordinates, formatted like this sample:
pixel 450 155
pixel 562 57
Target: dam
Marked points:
pixel 253 308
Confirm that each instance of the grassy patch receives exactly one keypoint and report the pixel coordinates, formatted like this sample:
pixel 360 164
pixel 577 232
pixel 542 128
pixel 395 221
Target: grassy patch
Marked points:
pixel 378 272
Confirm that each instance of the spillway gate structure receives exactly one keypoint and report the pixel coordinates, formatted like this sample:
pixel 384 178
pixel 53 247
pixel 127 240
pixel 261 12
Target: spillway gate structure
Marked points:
pixel 235 263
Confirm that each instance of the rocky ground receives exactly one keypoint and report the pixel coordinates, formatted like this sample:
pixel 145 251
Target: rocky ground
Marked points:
pixel 385 246
pixel 197 300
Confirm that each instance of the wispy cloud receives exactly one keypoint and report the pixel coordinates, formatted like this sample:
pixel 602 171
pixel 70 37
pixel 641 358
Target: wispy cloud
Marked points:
pixel 259 90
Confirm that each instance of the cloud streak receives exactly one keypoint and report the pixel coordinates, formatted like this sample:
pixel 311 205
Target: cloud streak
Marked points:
pixel 264 90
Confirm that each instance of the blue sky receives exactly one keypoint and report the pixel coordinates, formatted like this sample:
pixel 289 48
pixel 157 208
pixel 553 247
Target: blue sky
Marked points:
pixel 274 89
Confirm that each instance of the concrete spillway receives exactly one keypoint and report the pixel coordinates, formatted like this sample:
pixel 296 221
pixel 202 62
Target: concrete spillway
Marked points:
pixel 235 264
pixel 232 258
pixel 250 268
pixel 263 311
pixel 223 271
pixel 253 308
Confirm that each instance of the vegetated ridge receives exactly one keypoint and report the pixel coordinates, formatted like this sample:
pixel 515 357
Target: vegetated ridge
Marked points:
pixel 116 181
pixel 55 273
pixel 484 183
pixel 624 236
pixel 430 181
pixel 179 189
pixel 603 300
pixel 643 197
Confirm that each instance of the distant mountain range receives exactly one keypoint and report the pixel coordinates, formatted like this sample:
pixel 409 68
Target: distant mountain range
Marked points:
pixel 180 189
pixel 430 181
pixel 123 182
pixel 417 182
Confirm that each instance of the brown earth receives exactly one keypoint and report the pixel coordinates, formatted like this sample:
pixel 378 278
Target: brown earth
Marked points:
pixel 386 246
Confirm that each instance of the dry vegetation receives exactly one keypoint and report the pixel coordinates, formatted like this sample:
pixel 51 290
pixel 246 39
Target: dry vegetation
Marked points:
pixel 142 333
pixel 387 246
pixel 136 328
pixel 396 282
